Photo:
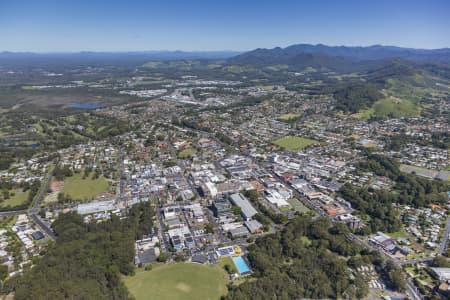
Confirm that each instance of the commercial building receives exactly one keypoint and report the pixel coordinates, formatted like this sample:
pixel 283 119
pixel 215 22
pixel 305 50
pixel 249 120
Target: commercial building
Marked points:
pixel 220 207
pixel 247 210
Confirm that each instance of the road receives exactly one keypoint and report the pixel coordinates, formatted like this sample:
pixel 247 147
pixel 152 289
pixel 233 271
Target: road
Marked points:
pixel 34 208
pixel 32 212
pixel 44 188
pixel 13 213
pixel 411 289
pixel 415 261
pixel 120 171
pixel 164 242
pixel 444 242
pixel 43 226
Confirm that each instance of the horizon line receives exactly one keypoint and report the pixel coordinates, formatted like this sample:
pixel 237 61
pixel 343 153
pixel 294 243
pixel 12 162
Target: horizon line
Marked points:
pixel 211 51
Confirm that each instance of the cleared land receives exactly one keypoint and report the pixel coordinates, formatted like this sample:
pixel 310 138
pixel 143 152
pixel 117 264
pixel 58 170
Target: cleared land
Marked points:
pixel 428 173
pixel 186 153
pixel 396 107
pixel 18 199
pixel 79 188
pixel 287 117
pixel 294 143
pixel 181 281
pixel 390 107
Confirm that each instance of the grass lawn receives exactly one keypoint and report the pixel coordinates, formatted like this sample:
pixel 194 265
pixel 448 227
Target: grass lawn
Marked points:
pixel 298 206
pixel 227 261
pixel 180 281
pixel 294 143
pixel 187 153
pixel 285 208
pixel 19 198
pixel 79 188
pixel 8 221
pixel 398 234
pixel 287 117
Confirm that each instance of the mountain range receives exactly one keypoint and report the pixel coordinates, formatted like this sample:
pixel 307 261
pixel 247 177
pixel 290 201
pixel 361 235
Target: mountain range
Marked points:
pixel 354 53
pixel 338 58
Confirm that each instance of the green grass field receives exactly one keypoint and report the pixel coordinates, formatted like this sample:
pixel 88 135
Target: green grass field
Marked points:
pixel 79 188
pixel 298 206
pixel 180 281
pixel 227 261
pixel 294 143
pixel 19 198
pixel 186 153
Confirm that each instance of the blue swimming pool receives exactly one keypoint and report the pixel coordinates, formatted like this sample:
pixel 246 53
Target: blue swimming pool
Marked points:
pixel 241 265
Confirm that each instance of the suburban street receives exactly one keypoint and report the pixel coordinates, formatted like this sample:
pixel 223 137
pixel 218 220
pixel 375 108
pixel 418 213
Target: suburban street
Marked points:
pixel 34 208
pixel 444 242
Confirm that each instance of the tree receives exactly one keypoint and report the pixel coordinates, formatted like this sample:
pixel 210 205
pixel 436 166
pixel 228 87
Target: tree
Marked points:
pixel 395 274
pixel 355 97
pixel 397 280
pixel 179 257
pixel 440 262
pixel 3 272
pixel 163 257
pixel 302 262
pixel 209 228
pixel 5 194
pixel 236 210
pixel 61 198
pixel 148 267
pixel 228 268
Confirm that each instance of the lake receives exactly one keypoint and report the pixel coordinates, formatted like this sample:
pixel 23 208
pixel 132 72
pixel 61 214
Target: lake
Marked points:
pixel 86 105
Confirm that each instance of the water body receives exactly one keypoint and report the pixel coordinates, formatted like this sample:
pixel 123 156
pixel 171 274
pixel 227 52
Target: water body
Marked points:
pixel 86 105
pixel 241 265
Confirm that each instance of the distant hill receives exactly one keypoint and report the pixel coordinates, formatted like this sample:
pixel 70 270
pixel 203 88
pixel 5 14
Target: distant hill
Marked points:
pixel 102 58
pixel 339 58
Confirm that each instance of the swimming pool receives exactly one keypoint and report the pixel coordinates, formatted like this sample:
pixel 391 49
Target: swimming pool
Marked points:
pixel 241 265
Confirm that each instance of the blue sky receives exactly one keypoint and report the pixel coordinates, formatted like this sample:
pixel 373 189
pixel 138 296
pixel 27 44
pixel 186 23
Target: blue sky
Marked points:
pixel 61 25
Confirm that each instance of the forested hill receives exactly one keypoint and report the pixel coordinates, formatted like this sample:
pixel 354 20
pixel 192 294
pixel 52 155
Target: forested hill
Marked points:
pixel 336 57
pixel 310 258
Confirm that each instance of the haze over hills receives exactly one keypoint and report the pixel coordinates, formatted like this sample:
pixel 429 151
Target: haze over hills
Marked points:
pixel 90 57
pixel 360 53
pixel 299 56
pixel 337 57
pixel 263 54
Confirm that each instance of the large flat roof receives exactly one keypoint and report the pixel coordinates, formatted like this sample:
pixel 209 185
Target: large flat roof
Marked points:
pixel 443 273
pixel 247 209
